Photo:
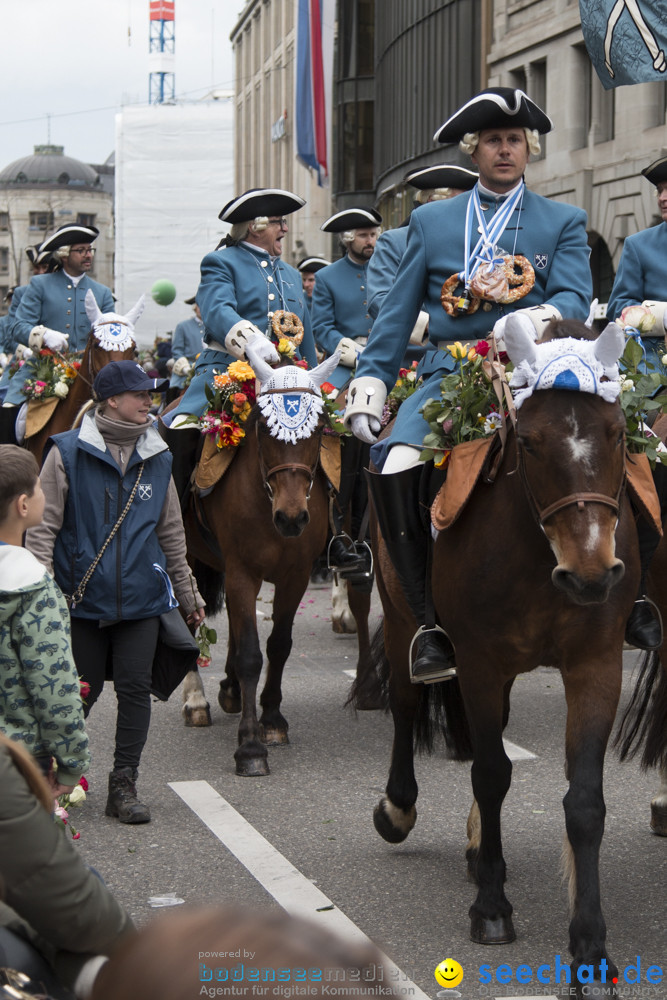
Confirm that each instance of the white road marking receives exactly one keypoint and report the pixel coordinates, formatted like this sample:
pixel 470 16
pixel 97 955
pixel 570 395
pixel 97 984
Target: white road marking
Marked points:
pixel 292 890
pixel 513 751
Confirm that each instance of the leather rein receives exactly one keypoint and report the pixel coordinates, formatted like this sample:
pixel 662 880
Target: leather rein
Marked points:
pixel 308 470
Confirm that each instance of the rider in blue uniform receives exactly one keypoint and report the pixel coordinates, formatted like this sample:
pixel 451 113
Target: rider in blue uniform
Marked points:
pixel 342 322
pixel 448 242
pixel 308 268
pixel 244 284
pixel 437 183
pixel 186 343
pixel 641 279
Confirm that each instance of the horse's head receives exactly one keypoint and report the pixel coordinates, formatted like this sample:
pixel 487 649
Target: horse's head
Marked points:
pixel 571 451
pixel 112 335
pixel 289 428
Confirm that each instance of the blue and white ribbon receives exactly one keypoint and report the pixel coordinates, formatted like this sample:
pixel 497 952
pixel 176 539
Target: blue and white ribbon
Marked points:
pixel 484 251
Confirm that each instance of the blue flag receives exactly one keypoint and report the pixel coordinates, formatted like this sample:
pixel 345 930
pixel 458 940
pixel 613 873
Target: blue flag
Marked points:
pixel 626 40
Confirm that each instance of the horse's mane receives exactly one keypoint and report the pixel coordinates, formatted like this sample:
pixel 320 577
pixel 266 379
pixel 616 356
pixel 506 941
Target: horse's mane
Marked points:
pixel 559 329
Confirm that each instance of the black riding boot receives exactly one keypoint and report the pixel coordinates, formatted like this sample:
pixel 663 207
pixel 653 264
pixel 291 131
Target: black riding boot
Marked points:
pixel 122 802
pixel 396 499
pixel 644 627
pixel 343 555
pixel 8 415
pixel 183 445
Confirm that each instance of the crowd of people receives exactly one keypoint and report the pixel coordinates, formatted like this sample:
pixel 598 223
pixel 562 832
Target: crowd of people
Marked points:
pixel 380 306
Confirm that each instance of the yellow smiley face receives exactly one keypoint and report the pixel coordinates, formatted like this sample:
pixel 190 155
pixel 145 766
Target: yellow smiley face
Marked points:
pixel 448 973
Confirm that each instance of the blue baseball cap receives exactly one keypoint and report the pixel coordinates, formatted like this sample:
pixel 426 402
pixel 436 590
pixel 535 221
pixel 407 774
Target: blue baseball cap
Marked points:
pixel 125 376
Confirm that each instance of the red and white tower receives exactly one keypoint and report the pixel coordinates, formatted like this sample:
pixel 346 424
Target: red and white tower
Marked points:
pixel 161 81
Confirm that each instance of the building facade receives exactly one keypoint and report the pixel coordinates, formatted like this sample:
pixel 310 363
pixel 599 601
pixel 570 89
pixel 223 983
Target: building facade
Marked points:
pixel 39 193
pixel 264 44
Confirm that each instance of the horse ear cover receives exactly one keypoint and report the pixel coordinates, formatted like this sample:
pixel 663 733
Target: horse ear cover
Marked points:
pixel 610 345
pixel 518 343
pixel 92 309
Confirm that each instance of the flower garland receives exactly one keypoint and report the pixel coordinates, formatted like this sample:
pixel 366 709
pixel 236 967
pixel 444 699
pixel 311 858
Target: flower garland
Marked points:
pixel 467 407
pixel 643 397
pixel 53 375
pixel 229 402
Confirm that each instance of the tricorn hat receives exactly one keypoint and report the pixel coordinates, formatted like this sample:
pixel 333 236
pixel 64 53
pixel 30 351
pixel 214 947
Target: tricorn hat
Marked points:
pixel 68 234
pixel 443 175
pixel 260 202
pixel 352 218
pixel 191 301
pixel 312 264
pixel 656 172
pixel 495 107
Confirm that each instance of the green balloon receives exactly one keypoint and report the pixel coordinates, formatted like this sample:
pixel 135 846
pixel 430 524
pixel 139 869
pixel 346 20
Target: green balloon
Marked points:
pixel 163 292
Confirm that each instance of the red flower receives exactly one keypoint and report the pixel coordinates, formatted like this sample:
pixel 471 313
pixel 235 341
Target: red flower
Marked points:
pixel 302 363
pixel 482 348
pixel 402 372
pixel 46 353
pixel 84 688
pixel 327 387
pixel 83 782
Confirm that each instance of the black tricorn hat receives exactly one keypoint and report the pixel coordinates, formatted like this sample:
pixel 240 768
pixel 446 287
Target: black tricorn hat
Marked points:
pixel 495 107
pixel 656 172
pixel 312 264
pixel 190 302
pixel 66 235
pixel 260 202
pixel 352 218
pixel 444 175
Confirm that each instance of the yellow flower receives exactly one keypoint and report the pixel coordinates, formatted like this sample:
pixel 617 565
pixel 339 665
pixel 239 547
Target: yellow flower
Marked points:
pixel 442 461
pixel 240 370
pixel 457 350
pixel 472 354
pixel 286 347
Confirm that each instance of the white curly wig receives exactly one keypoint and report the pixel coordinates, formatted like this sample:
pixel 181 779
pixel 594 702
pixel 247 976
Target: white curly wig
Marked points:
pixel 240 230
pixel 469 141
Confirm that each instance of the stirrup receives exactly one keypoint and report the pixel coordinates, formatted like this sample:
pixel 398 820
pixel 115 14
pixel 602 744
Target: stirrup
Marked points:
pixel 358 577
pixel 352 549
pixel 657 620
pixel 438 673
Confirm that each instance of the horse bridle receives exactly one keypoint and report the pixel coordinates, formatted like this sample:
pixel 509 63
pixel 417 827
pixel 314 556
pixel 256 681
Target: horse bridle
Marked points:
pixel 307 470
pixel 542 514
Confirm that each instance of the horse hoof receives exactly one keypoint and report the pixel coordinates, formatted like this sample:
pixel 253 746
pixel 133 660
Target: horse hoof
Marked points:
pixel 392 823
pixel 228 702
pixel 659 819
pixel 486 931
pixel 345 625
pixel 254 767
pixel 197 717
pixel 272 737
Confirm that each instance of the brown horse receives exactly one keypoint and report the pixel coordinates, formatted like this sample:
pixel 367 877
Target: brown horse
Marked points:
pixel 540 568
pixel 269 515
pixel 111 339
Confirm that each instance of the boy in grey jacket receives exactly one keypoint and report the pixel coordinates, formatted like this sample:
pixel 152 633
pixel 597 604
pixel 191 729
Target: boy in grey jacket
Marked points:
pixel 40 700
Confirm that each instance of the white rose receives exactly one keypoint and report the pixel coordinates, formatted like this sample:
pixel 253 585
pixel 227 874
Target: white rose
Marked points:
pixel 639 317
pixel 77 795
pixel 61 389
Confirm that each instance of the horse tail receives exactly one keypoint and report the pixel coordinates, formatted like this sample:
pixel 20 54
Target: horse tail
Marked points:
pixel 644 723
pixel 441 711
pixel 378 667
pixel 211 586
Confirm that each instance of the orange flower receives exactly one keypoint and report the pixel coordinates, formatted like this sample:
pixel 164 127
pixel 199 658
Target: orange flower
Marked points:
pixel 221 379
pixel 241 371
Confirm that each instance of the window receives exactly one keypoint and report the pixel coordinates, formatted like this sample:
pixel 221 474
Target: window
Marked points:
pixel 41 220
pixel 356 163
pixel 85 218
pixel 4 221
pixel 4 260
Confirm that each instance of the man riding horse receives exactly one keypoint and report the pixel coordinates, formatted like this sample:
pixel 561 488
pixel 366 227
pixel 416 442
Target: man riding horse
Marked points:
pixel 491 232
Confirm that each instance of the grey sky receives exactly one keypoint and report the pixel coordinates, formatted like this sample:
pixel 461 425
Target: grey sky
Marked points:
pixel 67 66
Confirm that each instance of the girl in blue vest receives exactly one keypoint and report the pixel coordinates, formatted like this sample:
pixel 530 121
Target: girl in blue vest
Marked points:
pixel 115 462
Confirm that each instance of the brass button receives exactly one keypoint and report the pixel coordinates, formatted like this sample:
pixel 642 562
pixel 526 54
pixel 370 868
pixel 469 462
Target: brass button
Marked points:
pixel 486 306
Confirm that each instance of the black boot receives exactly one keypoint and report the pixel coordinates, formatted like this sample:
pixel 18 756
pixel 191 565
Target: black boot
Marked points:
pixel 122 802
pixel 343 555
pixel 184 445
pixel 643 629
pixel 8 415
pixel 396 499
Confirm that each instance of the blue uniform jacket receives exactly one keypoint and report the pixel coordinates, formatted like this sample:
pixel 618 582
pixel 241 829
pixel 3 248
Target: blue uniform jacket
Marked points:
pixel 242 283
pixel 551 235
pixel 641 275
pixel 340 309
pixel 382 270
pixel 187 342
pixel 124 584
pixel 53 301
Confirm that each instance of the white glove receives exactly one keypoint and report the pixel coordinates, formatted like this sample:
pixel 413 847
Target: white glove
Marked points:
pixel 349 352
pixel 365 427
pixel 55 341
pixel 181 366
pixel 263 349
pixel 659 310
pixel 4 360
pixel 23 353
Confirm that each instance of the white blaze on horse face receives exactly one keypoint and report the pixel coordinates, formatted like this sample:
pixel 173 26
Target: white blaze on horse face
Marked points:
pixel 582 449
